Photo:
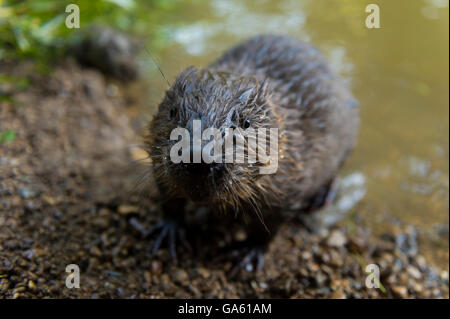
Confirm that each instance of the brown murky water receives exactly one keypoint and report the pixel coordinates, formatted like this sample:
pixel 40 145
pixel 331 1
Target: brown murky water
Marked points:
pixel 399 173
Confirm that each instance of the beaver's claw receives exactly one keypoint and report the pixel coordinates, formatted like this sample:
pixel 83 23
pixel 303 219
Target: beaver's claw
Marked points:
pixel 252 260
pixel 172 230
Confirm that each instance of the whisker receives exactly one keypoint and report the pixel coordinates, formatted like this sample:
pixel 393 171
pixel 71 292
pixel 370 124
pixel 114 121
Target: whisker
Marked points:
pixel 156 64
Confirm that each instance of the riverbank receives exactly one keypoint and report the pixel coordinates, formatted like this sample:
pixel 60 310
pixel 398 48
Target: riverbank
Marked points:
pixel 67 196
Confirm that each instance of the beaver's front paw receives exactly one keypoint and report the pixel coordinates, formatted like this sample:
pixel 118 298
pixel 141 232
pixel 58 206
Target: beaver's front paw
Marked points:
pixel 251 259
pixel 174 231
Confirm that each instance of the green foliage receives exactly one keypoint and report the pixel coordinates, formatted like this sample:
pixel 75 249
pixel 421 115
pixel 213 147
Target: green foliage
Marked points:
pixel 7 136
pixel 36 28
pixel 16 81
pixel 10 84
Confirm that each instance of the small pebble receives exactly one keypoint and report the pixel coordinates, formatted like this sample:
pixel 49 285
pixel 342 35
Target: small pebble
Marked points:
pixel 180 276
pixel 338 294
pixel 156 267
pixel 31 285
pixel 336 239
pixel 127 209
pixel 414 272
pixel 204 273
pixel 400 291
pixel 27 193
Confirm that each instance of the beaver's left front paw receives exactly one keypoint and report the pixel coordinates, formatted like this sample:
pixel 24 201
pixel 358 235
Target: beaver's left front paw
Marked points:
pixel 251 260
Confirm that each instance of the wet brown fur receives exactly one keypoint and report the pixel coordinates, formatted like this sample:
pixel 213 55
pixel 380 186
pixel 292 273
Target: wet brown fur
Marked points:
pixel 273 81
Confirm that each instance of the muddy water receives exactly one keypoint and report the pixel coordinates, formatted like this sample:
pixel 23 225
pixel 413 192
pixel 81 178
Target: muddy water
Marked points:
pixel 399 172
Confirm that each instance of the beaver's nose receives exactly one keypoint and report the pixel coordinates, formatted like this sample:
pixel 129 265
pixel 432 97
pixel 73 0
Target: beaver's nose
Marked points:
pixel 197 168
pixel 217 168
pixel 205 168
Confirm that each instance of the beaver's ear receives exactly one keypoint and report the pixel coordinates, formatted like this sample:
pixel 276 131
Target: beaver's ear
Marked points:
pixel 232 118
pixel 245 95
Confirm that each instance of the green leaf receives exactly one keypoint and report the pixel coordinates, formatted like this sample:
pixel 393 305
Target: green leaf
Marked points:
pixel 7 136
pixel 46 32
pixel 126 4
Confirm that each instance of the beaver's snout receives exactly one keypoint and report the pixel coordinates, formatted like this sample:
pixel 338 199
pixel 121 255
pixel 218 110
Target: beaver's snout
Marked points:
pixel 201 180
pixel 202 169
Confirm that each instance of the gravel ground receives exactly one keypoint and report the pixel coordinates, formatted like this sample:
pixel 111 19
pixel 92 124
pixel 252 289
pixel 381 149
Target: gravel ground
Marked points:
pixel 67 197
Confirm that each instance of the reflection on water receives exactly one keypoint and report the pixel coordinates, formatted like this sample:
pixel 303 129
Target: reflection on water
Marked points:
pixel 399 73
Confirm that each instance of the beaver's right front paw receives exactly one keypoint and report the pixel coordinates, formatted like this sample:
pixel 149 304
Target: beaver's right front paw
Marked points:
pixel 172 230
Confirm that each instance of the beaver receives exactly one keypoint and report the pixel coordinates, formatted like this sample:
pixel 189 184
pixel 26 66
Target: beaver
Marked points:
pixel 269 81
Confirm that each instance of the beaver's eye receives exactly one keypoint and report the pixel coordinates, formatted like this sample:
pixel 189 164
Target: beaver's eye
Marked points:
pixel 173 113
pixel 246 123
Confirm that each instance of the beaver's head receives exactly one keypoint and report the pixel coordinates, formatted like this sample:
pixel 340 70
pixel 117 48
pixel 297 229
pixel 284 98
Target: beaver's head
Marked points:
pixel 199 101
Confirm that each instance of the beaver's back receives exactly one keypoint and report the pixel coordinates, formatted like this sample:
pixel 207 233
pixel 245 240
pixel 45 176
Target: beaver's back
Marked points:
pixel 292 65
pixel 318 111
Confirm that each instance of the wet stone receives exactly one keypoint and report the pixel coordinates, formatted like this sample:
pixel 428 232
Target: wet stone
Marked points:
pixel 156 267
pixel 27 193
pixel 336 239
pixel 180 276
pixel 400 291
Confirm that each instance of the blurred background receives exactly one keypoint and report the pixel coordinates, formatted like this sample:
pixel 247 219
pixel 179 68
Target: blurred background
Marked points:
pixel 399 172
